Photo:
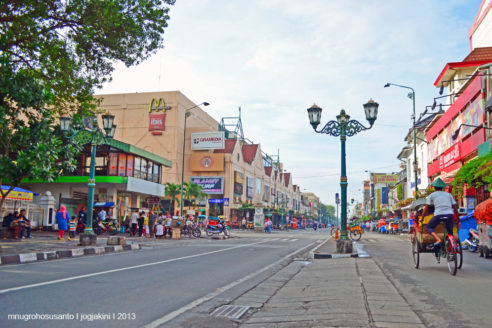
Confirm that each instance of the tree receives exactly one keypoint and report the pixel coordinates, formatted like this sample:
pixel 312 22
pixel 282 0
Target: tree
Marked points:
pixel 172 191
pixel 52 56
pixel 192 192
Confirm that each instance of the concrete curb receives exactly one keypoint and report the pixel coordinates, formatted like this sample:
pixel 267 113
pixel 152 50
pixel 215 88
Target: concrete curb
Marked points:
pixel 67 253
pixel 359 247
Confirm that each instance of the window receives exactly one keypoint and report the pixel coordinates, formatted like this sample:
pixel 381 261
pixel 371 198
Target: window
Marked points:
pixel 136 170
pixel 156 175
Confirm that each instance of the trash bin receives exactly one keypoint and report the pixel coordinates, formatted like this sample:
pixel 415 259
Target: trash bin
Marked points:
pixel 176 233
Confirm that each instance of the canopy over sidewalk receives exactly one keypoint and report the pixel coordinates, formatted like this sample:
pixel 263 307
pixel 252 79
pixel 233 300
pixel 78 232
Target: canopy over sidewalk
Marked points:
pixel 19 194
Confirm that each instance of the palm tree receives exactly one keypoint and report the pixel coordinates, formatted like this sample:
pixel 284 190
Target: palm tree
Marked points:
pixel 172 190
pixel 192 192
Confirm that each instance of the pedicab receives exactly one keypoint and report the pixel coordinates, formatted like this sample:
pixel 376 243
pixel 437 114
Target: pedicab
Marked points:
pixel 483 214
pixel 423 242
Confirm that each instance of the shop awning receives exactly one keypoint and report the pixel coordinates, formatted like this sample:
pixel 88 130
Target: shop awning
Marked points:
pixel 19 194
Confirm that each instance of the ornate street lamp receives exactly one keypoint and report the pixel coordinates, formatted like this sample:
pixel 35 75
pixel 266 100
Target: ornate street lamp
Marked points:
pixel 95 136
pixel 187 113
pixel 343 127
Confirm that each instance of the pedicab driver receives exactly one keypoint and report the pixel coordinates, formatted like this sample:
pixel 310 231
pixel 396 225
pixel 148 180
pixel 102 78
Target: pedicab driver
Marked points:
pixel 444 209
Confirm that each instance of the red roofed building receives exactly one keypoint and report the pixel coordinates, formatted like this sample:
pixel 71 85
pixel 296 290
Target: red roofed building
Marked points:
pixel 459 135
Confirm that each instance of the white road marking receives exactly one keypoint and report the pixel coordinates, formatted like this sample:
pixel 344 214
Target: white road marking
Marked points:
pixel 3 291
pixel 285 239
pixel 174 314
pixel 294 239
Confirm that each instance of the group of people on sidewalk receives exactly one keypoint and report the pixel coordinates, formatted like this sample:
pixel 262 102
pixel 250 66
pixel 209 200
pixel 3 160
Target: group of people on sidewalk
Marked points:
pixel 148 224
pixel 18 223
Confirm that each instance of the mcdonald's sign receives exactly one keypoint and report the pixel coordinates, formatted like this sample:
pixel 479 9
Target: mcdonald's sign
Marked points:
pixel 157 120
pixel 158 104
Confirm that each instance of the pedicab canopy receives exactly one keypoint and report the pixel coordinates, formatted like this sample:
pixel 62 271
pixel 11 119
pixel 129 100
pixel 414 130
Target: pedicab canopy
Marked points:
pixel 18 194
pixel 483 212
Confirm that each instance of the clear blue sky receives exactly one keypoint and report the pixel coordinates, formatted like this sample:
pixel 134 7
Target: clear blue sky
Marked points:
pixel 276 58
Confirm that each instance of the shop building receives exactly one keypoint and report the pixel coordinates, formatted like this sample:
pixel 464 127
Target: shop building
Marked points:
pixel 147 152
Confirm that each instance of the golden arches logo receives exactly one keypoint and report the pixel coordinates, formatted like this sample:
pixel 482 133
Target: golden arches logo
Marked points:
pixel 158 104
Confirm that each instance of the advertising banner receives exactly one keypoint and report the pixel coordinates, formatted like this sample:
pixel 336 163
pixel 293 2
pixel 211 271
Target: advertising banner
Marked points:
pixel 386 178
pixel 450 156
pixel 238 189
pixel 210 185
pixel 207 162
pixel 157 122
pixel 473 114
pixel 208 140
pixel 384 195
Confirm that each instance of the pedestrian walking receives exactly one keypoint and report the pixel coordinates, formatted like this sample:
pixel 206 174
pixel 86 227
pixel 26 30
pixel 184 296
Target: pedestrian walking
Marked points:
pixel 62 221
pixel 140 222
pixel 269 226
pixel 243 223
pixel 72 225
pixel 82 216
pixel 152 218
pixel 134 222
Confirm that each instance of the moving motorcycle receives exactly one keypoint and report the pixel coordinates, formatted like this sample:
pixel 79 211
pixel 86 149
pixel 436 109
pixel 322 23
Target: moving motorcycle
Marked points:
pixel 217 229
pixel 472 241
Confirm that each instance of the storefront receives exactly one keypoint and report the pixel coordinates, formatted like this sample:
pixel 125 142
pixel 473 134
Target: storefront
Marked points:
pixel 456 136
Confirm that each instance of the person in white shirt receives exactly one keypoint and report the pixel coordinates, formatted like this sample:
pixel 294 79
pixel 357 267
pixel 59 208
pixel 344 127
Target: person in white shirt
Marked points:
pixel 159 230
pixel 102 215
pixel 444 209
pixel 134 222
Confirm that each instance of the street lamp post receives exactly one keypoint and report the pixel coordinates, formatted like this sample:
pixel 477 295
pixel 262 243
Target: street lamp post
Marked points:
pixel 343 127
pixel 187 113
pixel 95 136
pixel 411 95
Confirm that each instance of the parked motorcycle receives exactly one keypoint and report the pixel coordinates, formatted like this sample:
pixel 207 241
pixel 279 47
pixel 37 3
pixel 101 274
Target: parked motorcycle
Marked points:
pixel 217 229
pixel 472 241
pixel 100 227
pixel 80 226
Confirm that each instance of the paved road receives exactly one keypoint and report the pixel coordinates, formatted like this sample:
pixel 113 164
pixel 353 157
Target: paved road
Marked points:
pixel 149 286
pixel 440 300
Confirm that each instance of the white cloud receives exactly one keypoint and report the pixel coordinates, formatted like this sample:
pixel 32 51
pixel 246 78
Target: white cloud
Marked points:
pixel 275 58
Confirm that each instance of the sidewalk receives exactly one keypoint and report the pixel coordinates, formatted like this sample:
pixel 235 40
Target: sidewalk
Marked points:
pixel 327 292
pixel 44 246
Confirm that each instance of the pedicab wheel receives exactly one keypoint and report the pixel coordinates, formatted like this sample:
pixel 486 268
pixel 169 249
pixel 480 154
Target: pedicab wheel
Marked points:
pixel 209 233
pixel 355 235
pixel 416 253
pixel 451 257
pixel 197 232
pixel 460 255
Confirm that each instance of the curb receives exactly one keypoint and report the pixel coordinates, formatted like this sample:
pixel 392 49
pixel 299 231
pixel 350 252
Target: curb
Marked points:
pixel 359 247
pixel 68 253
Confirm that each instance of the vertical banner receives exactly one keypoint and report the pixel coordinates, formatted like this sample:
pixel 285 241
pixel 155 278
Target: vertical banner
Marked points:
pixel 378 199
pixel 384 195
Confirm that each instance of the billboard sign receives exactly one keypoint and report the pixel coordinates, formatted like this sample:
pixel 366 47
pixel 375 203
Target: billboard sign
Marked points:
pixel 386 178
pixel 210 185
pixel 207 140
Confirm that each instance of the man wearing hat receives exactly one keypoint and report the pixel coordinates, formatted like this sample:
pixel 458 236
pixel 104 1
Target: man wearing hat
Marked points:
pixel 444 209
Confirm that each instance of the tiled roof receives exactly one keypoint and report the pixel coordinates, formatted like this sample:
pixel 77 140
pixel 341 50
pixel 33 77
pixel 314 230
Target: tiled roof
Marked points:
pixel 479 54
pixel 249 152
pixel 229 147
pixel 268 170
pixel 287 179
